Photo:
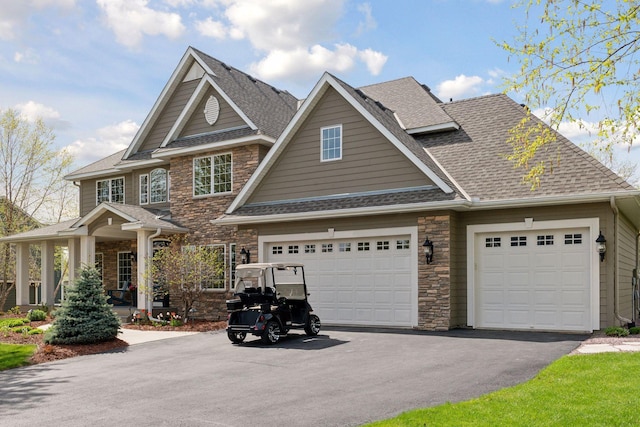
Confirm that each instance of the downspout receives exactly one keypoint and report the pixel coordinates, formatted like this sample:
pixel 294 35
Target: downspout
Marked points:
pixel 616 261
pixel 148 258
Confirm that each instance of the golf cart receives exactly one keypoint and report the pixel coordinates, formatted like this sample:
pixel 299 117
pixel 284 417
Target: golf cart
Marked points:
pixel 271 299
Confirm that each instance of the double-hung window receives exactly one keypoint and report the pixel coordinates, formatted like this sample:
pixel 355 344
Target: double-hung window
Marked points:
pixel 331 143
pixel 110 190
pixel 154 187
pixel 212 175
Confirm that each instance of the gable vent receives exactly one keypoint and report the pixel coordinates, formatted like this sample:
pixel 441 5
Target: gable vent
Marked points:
pixel 212 110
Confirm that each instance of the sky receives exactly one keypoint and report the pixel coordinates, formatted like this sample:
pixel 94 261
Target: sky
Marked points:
pixel 92 69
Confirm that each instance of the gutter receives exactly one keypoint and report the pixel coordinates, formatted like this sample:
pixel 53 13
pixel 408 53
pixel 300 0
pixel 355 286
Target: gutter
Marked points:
pixel 616 257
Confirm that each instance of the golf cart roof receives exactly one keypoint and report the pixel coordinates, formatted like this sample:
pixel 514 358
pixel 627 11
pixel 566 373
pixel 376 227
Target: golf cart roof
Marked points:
pixel 264 265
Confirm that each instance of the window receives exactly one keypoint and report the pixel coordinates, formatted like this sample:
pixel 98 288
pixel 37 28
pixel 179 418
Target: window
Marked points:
pixel 110 190
pixel 331 138
pixel 124 269
pixel 492 242
pixel 276 250
pixel 293 249
pixel 212 175
pixel 144 189
pixel 573 239
pixel 518 240
pixel 344 247
pixel 402 244
pixel 382 245
pixel 217 282
pixel 159 188
pixel 232 263
pixel 309 249
pixel 327 247
pixel 545 240
pixel 363 246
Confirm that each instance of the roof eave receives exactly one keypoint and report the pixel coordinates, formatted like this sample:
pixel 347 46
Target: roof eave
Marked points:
pixel 168 153
pixel 95 174
pixel 442 127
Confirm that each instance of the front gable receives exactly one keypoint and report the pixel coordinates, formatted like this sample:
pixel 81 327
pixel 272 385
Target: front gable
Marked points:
pixel 369 161
pixel 211 114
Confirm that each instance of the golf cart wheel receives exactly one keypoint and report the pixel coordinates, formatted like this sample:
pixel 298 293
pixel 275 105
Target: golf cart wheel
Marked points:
pixel 271 333
pixel 313 325
pixel 236 337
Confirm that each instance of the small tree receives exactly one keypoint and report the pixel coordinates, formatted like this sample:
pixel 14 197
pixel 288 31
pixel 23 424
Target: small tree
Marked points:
pixel 84 317
pixel 185 271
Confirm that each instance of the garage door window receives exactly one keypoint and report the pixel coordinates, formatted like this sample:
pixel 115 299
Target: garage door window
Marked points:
pixel 363 246
pixel 276 250
pixel 519 241
pixel 545 240
pixel 309 249
pixel 573 239
pixel 402 244
pixel 493 242
pixel 294 249
pixel 344 247
pixel 327 247
pixel 382 245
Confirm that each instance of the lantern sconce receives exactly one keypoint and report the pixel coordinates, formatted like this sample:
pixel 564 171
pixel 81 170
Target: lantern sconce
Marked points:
pixel 601 246
pixel 428 250
pixel 134 257
pixel 245 256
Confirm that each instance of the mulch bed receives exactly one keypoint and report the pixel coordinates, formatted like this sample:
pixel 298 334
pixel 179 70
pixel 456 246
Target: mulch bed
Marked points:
pixel 50 353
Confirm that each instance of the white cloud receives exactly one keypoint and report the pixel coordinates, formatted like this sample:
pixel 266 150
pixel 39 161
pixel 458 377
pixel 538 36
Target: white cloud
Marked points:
pixel 109 139
pixel 130 20
pixel 32 110
pixel 460 87
pixel 27 57
pixel 295 36
pixel 369 21
pixel 13 14
pixel 211 28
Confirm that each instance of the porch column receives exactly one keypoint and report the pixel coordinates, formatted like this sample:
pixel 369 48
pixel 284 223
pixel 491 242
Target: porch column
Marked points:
pixel 145 294
pixel 22 273
pixel 74 258
pixel 47 275
pixel 87 251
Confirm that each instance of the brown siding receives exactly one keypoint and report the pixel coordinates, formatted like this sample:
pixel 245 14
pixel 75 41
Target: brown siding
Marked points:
pixel 197 124
pixel 88 192
pixel 627 250
pixel 169 115
pixel 135 191
pixel 369 161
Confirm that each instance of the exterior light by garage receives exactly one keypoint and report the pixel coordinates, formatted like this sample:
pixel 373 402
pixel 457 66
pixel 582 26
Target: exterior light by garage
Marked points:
pixel 428 250
pixel 601 246
pixel 245 256
pixel 134 257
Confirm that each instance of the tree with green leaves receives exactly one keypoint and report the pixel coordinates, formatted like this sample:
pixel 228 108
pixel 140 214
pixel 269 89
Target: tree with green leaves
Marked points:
pixel 577 59
pixel 185 271
pixel 84 317
pixel 32 188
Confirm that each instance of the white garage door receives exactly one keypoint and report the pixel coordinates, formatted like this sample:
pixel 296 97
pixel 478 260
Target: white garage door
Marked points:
pixel 533 280
pixel 362 281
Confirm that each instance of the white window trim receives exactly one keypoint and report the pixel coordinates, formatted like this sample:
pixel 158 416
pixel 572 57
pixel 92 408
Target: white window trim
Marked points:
pixel 232 264
pixel 211 192
pixel 118 284
pixel 124 187
pixel 145 175
pixel 593 224
pixel 224 257
pixel 322 159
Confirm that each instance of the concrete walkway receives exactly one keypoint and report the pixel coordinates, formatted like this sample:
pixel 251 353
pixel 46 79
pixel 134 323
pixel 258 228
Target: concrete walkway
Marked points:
pixel 608 347
pixel 134 336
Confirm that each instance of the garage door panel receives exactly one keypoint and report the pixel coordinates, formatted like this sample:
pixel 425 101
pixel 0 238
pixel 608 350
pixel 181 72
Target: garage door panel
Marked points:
pixel 543 281
pixel 365 281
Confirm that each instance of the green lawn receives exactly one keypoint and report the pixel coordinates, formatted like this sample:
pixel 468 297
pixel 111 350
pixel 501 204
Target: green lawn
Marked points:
pixel 14 355
pixel 584 390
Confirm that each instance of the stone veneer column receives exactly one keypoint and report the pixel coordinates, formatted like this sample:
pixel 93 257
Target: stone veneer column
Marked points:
pixel 434 280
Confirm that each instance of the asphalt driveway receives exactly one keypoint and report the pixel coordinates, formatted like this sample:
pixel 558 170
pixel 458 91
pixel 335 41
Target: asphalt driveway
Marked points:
pixel 344 377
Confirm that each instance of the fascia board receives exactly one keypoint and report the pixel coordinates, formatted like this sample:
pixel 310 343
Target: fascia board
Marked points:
pixel 173 152
pixel 96 174
pixel 280 143
pixel 141 164
pixel 162 99
pixel 134 226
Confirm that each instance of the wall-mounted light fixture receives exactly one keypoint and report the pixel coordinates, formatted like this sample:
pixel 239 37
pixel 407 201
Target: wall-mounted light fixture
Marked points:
pixel 134 257
pixel 245 256
pixel 428 250
pixel 601 246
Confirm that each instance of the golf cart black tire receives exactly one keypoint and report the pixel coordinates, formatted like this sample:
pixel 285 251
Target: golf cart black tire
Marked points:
pixel 236 337
pixel 271 333
pixel 312 328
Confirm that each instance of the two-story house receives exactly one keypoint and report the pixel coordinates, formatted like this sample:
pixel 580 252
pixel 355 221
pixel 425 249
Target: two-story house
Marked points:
pixel 403 208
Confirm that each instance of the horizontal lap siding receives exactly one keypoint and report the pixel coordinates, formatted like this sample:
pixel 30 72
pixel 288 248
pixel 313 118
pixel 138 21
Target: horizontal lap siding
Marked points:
pixel 89 192
pixel 369 161
pixel 627 247
pixel 197 124
pixel 169 115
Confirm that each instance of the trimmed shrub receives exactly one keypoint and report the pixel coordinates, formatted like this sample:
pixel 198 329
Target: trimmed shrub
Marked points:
pixel 634 330
pixel 36 315
pixel 84 317
pixel 616 331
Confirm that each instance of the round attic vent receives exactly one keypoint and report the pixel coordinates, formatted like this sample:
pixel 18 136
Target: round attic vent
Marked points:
pixel 212 110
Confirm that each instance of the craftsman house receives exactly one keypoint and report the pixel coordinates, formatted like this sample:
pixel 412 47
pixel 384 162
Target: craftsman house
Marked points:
pixel 402 207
